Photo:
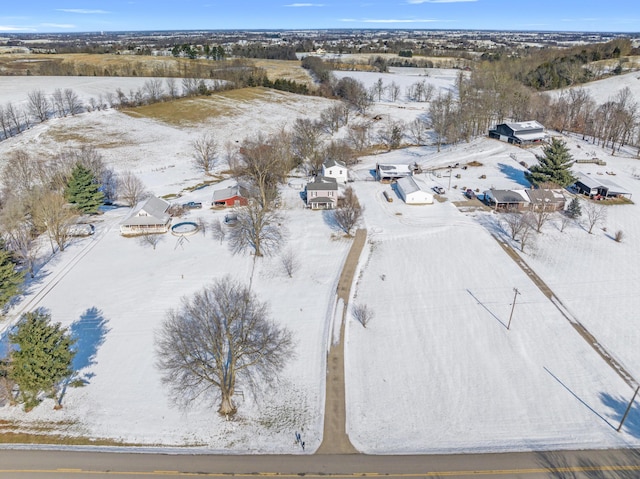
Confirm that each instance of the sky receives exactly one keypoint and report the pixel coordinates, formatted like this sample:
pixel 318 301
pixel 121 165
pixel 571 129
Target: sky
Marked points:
pixel 43 16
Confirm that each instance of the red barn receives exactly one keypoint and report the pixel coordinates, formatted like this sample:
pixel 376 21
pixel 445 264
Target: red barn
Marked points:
pixel 231 196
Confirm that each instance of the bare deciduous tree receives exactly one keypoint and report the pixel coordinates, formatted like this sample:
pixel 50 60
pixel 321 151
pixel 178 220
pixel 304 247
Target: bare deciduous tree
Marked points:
pixel 264 162
pixel 18 231
pixel 205 152
pixel 52 213
pixel 153 89
pixel 218 230
pixel 290 262
pixel 362 313
pixel 150 239
pixel 258 229
pixel 595 214
pixel 394 91
pixel 172 88
pixel 57 101
pixel 390 134
pixel 72 102
pixel 220 338
pixel 131 189
pixel 38 105
pixel 514 223
pixel 349 212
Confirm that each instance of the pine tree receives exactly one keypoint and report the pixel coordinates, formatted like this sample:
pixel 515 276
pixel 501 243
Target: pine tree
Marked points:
pixel 10 277
pixel 42 358
pixel 84 190
pixel 554 166
pixel 574 210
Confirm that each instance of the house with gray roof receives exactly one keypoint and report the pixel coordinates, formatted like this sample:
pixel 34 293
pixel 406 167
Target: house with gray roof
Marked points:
pixel 507 200
pixel 322 193
pixel 519 133
pixel 149 216
pixel 335 169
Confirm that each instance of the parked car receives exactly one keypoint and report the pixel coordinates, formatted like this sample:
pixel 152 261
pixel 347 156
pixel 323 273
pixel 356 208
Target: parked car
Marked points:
pixel 470 194
pixel 439 190
pixel 192 205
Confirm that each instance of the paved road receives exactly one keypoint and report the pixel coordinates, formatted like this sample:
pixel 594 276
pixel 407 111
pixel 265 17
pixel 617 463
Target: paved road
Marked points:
pixel 62 464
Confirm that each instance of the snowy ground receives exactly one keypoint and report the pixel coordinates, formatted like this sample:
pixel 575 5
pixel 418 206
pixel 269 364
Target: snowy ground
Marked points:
pixel 436 370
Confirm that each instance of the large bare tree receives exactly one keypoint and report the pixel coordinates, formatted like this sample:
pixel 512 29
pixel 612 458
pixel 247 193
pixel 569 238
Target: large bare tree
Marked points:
pixel 258 229
pixel 349 212
pixel 52 213
pixel 38 105
pixel 264 162
pixel 220 337
pixel 595 214
pixel 131 189
pixel 205 152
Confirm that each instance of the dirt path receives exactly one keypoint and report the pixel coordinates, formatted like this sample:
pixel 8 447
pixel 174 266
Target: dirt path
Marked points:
pixel 586 335
pixel 335 439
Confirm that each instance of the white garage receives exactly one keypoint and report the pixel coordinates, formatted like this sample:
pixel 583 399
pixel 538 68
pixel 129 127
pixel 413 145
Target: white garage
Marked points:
pixel 411 193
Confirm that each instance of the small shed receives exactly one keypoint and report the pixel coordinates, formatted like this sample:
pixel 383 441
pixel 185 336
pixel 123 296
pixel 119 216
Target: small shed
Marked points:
pixel 519 133
pixel 335 169
pixel 232 196
pixel 411 193
pixel 149 216
pixel 507 199
pixel 322 193
pixel 390 172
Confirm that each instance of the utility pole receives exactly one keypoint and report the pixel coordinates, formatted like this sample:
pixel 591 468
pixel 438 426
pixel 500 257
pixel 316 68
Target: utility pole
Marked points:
pixel 626 413
pixel 513 306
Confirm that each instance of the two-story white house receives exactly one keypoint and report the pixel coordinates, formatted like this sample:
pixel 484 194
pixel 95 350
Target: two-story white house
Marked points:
pixel 335 169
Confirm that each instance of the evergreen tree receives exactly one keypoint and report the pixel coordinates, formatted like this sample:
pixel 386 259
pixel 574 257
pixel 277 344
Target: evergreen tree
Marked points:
pixel 574 210
pixel 84 190
pixel 42 358
pixel 554 166
pixel 10 277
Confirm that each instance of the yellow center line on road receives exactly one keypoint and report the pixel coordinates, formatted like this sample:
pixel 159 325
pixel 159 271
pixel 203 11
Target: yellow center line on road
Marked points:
pixel 462 474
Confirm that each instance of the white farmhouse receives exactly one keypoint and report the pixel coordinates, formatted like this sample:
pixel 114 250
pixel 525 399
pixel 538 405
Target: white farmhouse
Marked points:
pixel 335 169
pixel 411 193
pixel 150 216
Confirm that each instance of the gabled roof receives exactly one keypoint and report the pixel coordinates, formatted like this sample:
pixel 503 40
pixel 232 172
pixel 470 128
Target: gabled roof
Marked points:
pixel 331 162
pixel 230 192
pixel 543 195
pixel 151 211
pixel 595 183
pixel 408 185
pixel 323 183
pixel 394 170
pixel 525 126
pixel 508 196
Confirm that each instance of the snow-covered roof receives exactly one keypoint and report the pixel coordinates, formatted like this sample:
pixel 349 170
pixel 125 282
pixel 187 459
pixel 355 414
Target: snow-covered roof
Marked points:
pixel 151 211
pixel 530 136
pixel 392 169
pixel 545 195
pixel 229 192
pixel 588 181
pixel 407 185
pixel 525 125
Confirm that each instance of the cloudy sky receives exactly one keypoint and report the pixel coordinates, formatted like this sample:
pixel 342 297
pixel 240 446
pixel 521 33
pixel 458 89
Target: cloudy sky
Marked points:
pixel 117 15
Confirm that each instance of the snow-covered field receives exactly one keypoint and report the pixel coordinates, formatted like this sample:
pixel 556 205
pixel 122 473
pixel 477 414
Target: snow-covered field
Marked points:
pixel 436 370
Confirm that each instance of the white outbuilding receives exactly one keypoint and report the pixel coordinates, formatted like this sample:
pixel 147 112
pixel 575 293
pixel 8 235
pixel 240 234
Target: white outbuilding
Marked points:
pixel 411 193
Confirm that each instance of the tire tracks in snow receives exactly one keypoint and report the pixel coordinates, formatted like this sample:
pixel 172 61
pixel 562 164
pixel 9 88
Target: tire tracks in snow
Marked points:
pixel 577 325
pixel 36 298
